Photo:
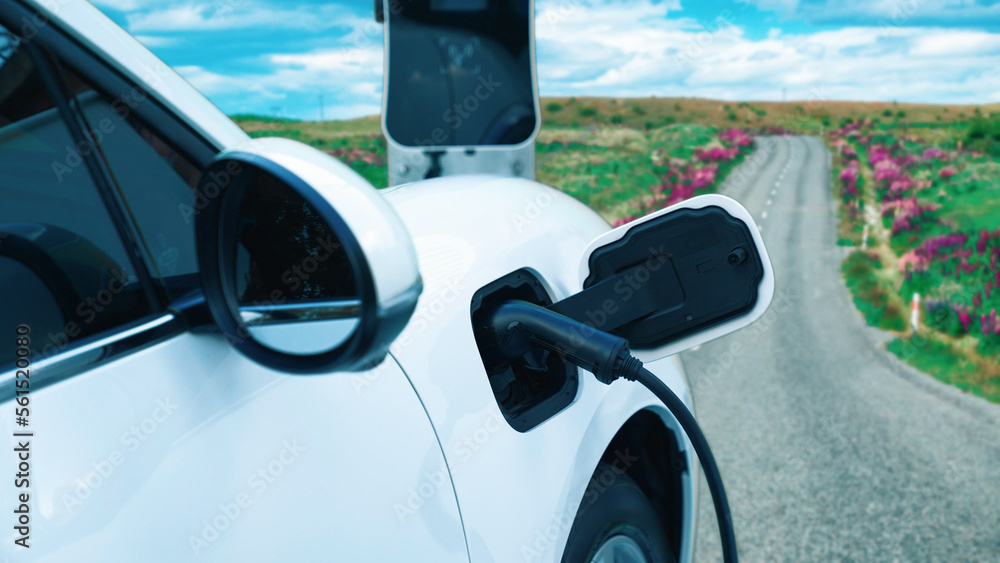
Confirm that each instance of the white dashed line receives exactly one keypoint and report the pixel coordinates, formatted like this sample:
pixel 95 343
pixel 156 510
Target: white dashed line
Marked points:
pixel 763 215
pixel 768 202
pixel 774 192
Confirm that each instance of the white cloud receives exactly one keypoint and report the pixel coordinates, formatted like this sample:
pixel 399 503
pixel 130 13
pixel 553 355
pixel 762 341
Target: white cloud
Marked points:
pixel 606 48
pixel 237 14
pixel 649 56
pixel 123 5
pixel 884 12
pixel 349 78
pixel 955 43
pixel 151 41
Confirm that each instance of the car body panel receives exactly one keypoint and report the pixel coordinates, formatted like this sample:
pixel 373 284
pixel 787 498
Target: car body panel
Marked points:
pixel 512 486
pixel 158 457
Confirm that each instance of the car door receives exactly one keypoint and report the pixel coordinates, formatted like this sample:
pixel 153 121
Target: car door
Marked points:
pixel 135 431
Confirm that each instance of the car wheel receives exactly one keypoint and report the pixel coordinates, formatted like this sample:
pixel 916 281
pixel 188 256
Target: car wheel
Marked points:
pixel 616 523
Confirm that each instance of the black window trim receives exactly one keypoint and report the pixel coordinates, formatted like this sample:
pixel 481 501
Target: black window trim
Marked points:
pixel 98 171
pixel 170 318
pixel 94 351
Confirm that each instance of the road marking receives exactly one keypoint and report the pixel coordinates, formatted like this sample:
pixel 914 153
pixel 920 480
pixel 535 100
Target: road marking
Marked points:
pixel 773 192
pixel 763 215
pixel 768 202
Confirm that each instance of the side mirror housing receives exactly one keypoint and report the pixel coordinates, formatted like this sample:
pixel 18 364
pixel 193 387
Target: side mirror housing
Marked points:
pixel 305 267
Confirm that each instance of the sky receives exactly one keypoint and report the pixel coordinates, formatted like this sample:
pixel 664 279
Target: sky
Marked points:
pixel 310 59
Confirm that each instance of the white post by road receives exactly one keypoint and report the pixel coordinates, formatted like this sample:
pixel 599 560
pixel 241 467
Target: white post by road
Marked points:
pixel 864 238
pixel 915 312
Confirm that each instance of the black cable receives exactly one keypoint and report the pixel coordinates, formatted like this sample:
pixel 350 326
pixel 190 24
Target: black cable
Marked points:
pixel 519 325
pixel 700 444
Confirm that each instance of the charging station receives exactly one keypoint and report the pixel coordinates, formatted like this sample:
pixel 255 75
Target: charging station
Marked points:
pixel 460 93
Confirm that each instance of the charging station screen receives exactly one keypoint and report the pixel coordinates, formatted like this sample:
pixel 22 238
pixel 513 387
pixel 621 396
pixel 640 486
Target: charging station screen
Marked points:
pixel 459 73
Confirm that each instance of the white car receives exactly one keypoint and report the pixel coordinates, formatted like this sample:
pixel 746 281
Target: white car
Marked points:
pixel 156 394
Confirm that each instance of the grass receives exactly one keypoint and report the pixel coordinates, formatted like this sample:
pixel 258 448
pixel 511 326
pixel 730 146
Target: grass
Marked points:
pixel 951 362
pixel 977 209
pixel 871 288
pixel 612 168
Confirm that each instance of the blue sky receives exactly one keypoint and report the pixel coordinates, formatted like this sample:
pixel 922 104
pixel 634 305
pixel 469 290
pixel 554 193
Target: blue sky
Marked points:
pixel 279 58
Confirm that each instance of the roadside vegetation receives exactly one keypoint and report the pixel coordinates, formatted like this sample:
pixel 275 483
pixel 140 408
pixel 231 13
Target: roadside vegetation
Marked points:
pixel 928 199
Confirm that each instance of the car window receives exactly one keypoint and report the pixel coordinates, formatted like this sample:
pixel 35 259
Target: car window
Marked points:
pixel 156 181
pixel 64 270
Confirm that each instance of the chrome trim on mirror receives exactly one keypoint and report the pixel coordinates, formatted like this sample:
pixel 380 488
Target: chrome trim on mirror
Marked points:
pixel 259 315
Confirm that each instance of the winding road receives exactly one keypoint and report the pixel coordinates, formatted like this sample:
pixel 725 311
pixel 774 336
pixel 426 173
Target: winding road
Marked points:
pixel 832 449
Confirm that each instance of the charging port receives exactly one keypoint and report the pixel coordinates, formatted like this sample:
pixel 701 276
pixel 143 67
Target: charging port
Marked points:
pixel 531 388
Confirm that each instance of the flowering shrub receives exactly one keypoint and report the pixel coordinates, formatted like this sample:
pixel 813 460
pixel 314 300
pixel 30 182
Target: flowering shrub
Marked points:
pixel 849 179
pixel 701 173
pixel 913 184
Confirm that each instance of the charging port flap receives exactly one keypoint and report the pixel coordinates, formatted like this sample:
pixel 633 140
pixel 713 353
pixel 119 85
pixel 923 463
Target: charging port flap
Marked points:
pixel 675 278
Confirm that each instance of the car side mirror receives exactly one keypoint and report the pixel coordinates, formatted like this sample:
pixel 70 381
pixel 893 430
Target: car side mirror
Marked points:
pixel 305 267
pixel 675 278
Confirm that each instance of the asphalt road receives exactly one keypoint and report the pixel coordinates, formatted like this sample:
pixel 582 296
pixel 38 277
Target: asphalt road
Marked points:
pixel 830 448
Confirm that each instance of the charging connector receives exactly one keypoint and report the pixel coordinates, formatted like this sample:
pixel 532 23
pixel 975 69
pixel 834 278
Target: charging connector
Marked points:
pixel 519 325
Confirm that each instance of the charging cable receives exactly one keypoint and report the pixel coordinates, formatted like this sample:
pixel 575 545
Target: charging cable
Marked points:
pixel 520 325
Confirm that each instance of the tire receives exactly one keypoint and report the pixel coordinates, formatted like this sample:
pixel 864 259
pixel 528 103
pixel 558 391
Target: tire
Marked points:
pixel 616 523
